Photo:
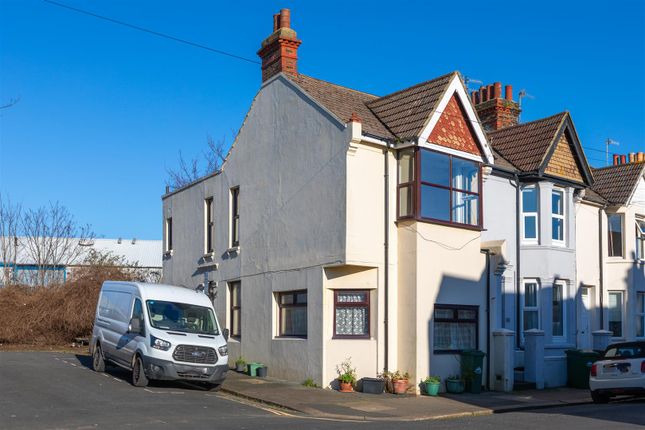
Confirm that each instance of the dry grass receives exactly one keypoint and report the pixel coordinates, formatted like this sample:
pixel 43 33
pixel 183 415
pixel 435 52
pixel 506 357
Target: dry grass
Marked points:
pixel 54 315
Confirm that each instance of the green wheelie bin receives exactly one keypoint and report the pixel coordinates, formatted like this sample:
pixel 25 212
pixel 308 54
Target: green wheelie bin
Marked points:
pixel 578 366
pixel 472 367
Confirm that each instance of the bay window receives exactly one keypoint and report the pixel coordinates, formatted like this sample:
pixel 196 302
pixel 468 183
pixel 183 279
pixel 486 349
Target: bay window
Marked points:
pixel 558 309
pixel 640 239
pixel 443 188
pixel 615 310
pixel 530 305
pixel 557 217
pixel 530 214
pixel 640 314
pixel 615 226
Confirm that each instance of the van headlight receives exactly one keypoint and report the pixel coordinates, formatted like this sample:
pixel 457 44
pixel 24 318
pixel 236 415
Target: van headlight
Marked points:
pixel 160 344
pixel 223 350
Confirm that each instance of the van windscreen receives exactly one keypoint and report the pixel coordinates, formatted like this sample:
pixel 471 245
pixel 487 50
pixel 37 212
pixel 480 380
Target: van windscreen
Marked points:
pixel 181 317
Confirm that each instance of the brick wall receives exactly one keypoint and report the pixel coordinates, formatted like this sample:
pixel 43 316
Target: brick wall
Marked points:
pixel 453 129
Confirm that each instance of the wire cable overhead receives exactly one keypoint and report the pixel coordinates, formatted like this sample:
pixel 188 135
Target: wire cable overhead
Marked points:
pixel 153 32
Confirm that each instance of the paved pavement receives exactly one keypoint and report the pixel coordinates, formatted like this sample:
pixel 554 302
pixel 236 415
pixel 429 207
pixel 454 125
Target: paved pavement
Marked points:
pixel 56 390
pixel 333 404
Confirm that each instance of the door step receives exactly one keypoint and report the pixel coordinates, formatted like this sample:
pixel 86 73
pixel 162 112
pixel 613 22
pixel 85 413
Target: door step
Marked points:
pixel 522 386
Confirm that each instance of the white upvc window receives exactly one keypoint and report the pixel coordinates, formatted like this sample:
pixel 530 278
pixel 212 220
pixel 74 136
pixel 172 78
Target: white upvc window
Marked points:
pixel 615 238
pixel 530 226
pixel 640 314
pixel 615 311
pixel 557 217
pixel 640 239
pixel 530 315
pixel 559 311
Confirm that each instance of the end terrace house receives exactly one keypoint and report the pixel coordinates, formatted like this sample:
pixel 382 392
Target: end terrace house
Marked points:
pixel 341 224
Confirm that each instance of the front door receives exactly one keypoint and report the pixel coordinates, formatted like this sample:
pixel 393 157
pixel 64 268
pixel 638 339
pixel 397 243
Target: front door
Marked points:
pixel 584 319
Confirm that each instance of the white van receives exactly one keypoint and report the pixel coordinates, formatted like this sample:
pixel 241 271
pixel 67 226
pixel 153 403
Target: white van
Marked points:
pixel 159 332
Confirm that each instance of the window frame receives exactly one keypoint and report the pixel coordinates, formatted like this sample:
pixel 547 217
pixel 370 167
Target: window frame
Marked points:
pixel 209 227
pixel 622 313
pixel 640 312
pixel 168 228
pixel 535 308
pixel 565 289
pixel 640 238
pixel 455 319
pixel 417 185
pixel 281 306
pixel 235 308
pixel 364 305
pixel 411 184
pixel 562 217
pixel 234 216
pixel 622 236
pixel 535 214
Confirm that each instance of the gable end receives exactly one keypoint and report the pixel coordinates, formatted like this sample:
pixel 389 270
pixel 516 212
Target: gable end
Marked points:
pixel 453 130
pixel 563 161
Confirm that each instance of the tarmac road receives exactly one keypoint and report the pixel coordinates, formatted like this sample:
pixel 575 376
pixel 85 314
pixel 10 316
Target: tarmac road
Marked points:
pixel 41 390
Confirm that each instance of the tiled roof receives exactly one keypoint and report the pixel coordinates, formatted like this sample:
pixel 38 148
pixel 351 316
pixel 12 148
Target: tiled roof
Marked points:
pixel 525 145
pixel 401 115
pixel 592 196
pixel 502 162
pixel 342 102
pixel 617 183
pixel 405 112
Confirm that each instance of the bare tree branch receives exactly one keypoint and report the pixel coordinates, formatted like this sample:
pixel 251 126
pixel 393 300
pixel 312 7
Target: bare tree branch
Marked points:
pixel 10 216
pixel 53 240
pixel 189 171
pixel 12 102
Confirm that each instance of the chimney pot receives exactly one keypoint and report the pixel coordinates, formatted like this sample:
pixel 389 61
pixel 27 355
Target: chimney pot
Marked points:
pixel 623 159
pixel 498 90
pixel 509 92
pixel 641 156
pixel 482 94
pixel 276 21
pixel 491 92
pixel 616 159
pixel 632 157
pixel 285 18
pixel 354 118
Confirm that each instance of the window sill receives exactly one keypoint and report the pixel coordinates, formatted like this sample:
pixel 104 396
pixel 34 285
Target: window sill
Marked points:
pixel 349 337
pixel 290 338
pixel 233 250
pixel 168 254
pixel 448 351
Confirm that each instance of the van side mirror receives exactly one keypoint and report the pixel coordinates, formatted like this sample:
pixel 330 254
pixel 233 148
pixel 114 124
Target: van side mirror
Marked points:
pixel 134 326
pixel 225 332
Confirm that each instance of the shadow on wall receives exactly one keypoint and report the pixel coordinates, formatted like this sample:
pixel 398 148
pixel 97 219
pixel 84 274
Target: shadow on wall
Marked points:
pixel 458 320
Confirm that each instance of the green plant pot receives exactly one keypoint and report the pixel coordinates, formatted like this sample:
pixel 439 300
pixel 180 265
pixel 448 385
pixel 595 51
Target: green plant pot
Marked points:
pixel 432 388
pixel 455 386
pixel 252 369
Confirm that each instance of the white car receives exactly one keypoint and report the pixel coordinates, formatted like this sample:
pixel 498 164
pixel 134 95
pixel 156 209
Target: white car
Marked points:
pixel 621 371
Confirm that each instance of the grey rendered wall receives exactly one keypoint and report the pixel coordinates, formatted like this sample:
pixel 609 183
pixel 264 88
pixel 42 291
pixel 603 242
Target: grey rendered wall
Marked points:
pixel 289 161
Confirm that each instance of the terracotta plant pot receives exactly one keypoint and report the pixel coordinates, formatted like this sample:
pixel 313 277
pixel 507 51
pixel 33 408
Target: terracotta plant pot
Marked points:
pixel 400 386
pixel 345 387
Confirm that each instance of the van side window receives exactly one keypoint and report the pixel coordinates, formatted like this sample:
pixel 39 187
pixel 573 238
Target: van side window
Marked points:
pixel 137 310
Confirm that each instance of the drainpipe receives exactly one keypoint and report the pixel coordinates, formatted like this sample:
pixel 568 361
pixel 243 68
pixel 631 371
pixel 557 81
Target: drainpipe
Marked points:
pixel 386 251
pixel 488 364
pixel 517 261
pixel 601 272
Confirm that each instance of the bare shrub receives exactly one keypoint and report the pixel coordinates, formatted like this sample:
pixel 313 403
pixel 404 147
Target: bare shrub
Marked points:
pixel 57 314
pixel 191 170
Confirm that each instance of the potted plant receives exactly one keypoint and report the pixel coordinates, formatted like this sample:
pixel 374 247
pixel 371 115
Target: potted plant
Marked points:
pixel 432 384
pixel 400 381
pixel 454 384
pixel 346 376
pixel 240 364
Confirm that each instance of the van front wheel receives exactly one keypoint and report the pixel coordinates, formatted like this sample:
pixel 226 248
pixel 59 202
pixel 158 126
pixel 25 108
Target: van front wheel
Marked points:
pixel 98 363
pixel 139 378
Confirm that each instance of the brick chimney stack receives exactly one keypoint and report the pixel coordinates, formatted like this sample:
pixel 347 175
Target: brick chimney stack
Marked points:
pixel 279 52
pixel 632 157
pixel 494 111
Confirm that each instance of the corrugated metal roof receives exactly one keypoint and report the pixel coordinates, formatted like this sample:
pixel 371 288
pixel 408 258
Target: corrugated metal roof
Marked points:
pixel 145 253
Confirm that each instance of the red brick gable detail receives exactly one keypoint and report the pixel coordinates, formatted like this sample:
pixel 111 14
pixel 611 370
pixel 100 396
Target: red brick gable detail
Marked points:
pixel 453 129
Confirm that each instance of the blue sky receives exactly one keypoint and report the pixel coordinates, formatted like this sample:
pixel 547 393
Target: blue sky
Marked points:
pixel 104 109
